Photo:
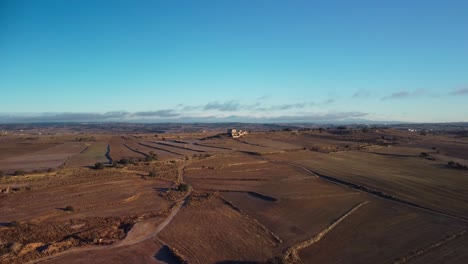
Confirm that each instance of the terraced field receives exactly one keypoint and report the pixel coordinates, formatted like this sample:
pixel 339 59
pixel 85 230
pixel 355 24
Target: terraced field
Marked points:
pixel 93 153
pixel 43 159
pixel 280 197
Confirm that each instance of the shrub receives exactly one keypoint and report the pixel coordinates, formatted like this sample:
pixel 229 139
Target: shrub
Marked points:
pixel 69 208
pixel 183 187
pixel 99 166
pixel 19 173
pixel 457 165
pixel 14 224
pixel 124 161
pixel 424 155
pixel 152 174
pixel 150 158
pixel 49 170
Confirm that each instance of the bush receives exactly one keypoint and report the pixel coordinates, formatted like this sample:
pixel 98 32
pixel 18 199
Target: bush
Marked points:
pixel 424 155
pixel 19 173
pixel 99 166
pixel 183 187
pixel 152 174
pixel 457 165
pixel 150 158
pixel 14 224
pixel 124 161
pixel 69 208
pixel 127 161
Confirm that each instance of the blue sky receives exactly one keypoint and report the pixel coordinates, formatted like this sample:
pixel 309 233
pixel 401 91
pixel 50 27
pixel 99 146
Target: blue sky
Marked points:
pixel 234 60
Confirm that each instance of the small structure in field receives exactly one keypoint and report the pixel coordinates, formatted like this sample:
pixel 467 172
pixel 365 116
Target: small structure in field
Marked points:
pixel 236 133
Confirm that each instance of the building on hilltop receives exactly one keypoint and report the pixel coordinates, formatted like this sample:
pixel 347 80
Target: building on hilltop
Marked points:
pixel 236 133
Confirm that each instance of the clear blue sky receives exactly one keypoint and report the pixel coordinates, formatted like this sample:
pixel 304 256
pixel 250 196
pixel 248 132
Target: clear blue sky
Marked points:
pixel 244 60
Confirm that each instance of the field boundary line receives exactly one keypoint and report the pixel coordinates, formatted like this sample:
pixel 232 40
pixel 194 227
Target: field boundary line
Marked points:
pixel 135 150
pixel 255 221
pixel 292 254
pixel 371 191
pixel 161 149
pixel 431 247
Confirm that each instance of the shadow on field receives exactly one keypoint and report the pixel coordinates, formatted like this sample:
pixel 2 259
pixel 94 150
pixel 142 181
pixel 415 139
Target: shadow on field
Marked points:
pixel 161 189
pixel 392 155
pixel 165 254
pixel 262 196
pixel 238 262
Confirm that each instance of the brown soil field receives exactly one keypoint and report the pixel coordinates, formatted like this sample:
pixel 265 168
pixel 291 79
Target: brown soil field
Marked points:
pixel 414 179
pixel 11 147
pixel 160 151
pixel 192 145
pixel 94 152
pixel 270 143
pixel 268 197
pixel 454 147
pixel 91 193
pixel 137 253
pixel 236 144
pixel 282 197
pixel 118 150
pixel 217 233
pixel 176 147
pixel 452 249
pixel 43 159
pixel 380 232
pixel 314 141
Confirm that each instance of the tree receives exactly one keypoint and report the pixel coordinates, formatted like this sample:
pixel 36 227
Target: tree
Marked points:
pixel 424 155
pixel 19 173
pixel 69 208
pixel 152 174
pixel 150 158
pixel 183 187
pixel 99 166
